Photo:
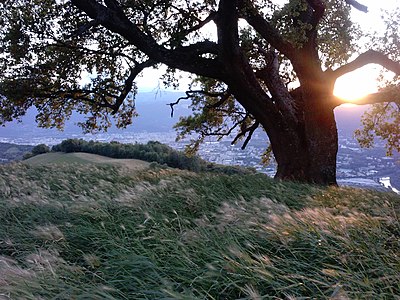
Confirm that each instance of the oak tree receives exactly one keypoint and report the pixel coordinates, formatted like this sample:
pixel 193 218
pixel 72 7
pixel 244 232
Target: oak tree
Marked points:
pixel 269 64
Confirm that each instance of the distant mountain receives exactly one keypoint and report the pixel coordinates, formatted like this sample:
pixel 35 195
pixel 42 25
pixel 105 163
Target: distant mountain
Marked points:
pixel 10 152
pixel 152 107
pixel 155 112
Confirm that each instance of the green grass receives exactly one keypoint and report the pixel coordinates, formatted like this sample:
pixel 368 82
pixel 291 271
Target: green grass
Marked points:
pixel 80 158
pixel 98 232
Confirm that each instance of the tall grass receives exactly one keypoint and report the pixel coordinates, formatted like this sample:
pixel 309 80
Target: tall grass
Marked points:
pixel 93 232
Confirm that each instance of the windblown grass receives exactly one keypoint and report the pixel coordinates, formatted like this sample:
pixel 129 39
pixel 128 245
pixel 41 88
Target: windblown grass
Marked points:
pixel 95 232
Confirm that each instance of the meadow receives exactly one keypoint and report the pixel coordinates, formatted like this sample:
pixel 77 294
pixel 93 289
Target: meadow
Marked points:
pixel 97 230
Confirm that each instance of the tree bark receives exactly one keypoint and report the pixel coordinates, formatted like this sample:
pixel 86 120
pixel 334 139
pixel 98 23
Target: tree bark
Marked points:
pixel 306 151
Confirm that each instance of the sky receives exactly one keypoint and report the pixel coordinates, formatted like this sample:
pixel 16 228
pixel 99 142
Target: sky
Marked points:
pixel 364 80
pixel 351 86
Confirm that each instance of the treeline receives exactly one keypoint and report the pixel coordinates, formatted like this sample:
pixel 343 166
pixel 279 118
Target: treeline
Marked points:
pixel 151 152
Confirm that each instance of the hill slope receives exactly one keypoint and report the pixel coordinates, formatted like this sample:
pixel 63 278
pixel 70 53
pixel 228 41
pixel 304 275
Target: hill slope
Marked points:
pixel 84 158
pixel 10 152
pixel 92 231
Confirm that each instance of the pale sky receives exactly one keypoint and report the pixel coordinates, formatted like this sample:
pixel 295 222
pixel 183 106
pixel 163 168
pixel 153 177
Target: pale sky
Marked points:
pixel 363 81
pixel 351 86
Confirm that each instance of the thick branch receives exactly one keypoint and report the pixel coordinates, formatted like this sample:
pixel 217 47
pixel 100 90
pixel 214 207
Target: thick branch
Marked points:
pixel 228 35
pixel 184 58
pixel 114 5
pixel 200 48
pixel 389 94
pixel 280 94
pixel 369 57
pixel 241 78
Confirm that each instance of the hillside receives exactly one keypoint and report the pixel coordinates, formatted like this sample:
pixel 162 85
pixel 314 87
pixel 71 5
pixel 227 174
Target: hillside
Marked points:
pixel 84 158
pixel 95 231
pixel 10 152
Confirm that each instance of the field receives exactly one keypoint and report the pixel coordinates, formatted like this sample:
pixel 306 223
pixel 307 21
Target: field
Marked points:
pixel 87 228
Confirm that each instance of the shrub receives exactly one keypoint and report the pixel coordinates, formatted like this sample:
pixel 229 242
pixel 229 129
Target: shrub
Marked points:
pixel 153 151
pixel 40 149
pixel 72 145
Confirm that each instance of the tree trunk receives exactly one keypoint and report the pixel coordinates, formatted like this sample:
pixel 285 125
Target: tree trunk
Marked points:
pixel 308 151
pixel 304 142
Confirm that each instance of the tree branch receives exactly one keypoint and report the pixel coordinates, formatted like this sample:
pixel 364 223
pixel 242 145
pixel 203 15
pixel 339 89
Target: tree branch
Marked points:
pixel 184 58
pixel 115 52
pixel 357 5
pixel 211 17
pixel 172 104
pixel 225 96
pixel 279 92
pixel 77 94
pixel 129 83
pixel 388 94
pixel 114 5
pixel 251 130
pixel 190 94
pixel 245 130
pixel 227 28
pixel 200 48
pixel 369 57
pixel 319 9
pixel 240 76
pixel 265 29
pixel 85 27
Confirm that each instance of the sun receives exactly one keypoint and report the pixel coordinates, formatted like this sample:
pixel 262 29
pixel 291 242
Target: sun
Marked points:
pixel 356 85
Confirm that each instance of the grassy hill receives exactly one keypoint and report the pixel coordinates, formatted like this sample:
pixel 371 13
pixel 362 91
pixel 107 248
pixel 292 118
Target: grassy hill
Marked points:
pixel 96 231
pixel 84 158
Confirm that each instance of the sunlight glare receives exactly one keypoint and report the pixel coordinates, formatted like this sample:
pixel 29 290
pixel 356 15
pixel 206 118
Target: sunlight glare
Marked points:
pixel 357 84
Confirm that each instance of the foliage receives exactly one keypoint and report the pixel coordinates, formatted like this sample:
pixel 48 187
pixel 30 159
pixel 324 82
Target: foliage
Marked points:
pixel 382 121
pixel 49 71
pixel 40 149
pixel 96 232
pixel 215 113
pixel 152 152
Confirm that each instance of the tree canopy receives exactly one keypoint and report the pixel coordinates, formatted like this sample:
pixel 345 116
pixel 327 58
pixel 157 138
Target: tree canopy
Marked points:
pixel 270 64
